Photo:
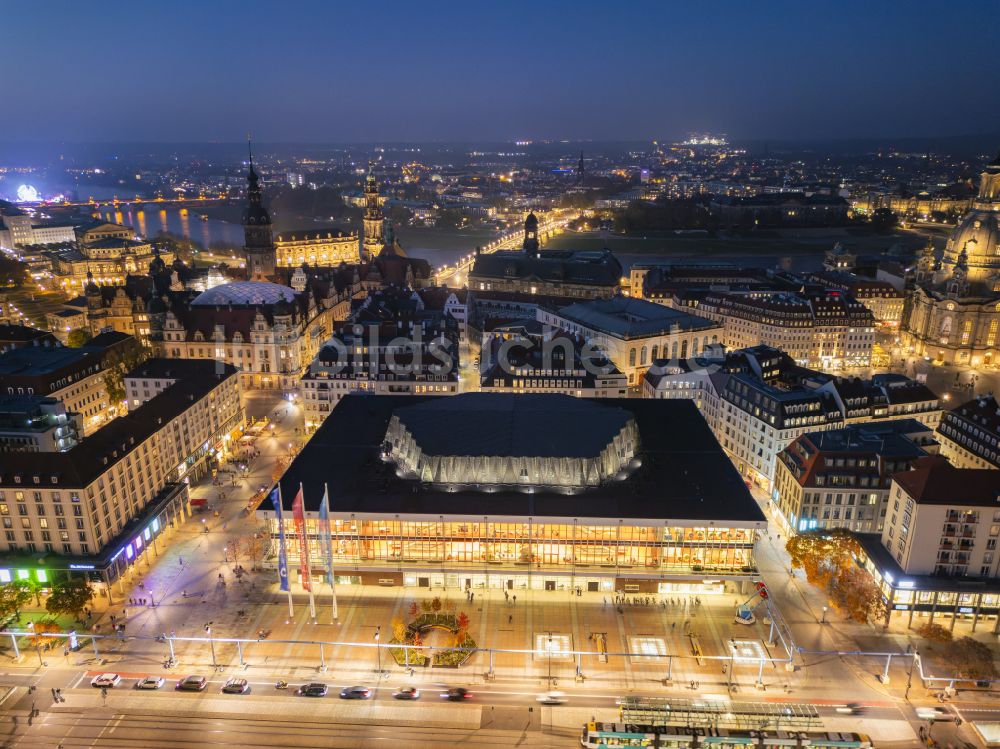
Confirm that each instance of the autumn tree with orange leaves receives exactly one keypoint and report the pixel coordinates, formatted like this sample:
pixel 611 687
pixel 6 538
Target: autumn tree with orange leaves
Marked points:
pixel 828 560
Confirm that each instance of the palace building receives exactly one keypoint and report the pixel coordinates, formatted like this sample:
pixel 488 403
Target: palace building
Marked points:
pixel 543 492
pixel 323 247
pixel 104 251
pixel 954 312
pixel 564 273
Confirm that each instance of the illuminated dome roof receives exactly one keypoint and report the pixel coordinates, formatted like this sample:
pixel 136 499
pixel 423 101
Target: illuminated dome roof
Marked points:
pixel 979 235
pixel 245 293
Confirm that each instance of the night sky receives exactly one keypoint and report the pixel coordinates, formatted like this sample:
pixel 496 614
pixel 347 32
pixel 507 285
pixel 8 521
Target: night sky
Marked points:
pixel 421 71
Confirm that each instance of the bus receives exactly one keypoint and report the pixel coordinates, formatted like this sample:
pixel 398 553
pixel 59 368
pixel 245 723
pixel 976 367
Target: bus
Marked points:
pixel 600 735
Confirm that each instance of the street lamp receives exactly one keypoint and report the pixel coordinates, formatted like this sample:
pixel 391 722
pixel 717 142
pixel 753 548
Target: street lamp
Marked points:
pixel 38 644
pixel 211 642
pixel 823 620
pixel 909 675
pixel 378 650
pixel 549 648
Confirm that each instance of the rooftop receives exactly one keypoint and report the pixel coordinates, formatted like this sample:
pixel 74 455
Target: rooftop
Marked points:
pixel 681 472
pixel 244 293
pixel 573 428
pixel 626 317
pixel 80 466
pixel 935 481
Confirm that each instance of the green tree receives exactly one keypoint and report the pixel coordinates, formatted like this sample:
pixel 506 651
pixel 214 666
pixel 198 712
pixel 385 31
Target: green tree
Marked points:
pixel 70 598
pixel 77 338
pixel 13 597
pixel 119 363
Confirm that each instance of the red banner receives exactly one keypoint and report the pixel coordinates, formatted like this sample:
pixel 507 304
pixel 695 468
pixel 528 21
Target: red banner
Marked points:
pixel 298 513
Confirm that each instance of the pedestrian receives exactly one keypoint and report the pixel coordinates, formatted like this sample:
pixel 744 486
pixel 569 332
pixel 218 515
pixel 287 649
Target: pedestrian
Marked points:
pixel 510 618
pixel 514 599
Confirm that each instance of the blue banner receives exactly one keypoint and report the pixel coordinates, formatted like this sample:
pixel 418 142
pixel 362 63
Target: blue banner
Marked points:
pixel 282 556
pixel 325 538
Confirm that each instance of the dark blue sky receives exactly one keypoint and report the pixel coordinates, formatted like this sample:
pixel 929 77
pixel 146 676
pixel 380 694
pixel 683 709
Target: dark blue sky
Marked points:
pixel 414 71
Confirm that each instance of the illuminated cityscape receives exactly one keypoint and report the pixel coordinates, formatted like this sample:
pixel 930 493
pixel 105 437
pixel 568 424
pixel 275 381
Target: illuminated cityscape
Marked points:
pixel 500 375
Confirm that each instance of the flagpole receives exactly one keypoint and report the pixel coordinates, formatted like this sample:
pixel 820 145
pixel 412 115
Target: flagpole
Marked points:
pixel 334 616
pixel 281 537
pixel 305 562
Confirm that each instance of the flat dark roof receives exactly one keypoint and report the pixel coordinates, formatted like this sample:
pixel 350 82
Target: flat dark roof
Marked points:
pixel 684 474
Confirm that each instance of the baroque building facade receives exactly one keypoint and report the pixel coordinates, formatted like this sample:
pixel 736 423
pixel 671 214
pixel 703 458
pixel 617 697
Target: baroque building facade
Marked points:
pixel 954 315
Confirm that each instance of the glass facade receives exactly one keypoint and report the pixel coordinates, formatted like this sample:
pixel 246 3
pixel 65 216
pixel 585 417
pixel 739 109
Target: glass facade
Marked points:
pixel 540 544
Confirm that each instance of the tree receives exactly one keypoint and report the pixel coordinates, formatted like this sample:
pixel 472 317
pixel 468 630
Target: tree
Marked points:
pixel 855 593
pixel 828 559
pixel 414 610
pixel 119 363
pixel 463 620
pixel 436 604
pixel 883 219
pixel 934 632
pixel 971 659
pixel 399 629
pixel 41 627
pixel 78 338
pixel 13 596
pixel 70 598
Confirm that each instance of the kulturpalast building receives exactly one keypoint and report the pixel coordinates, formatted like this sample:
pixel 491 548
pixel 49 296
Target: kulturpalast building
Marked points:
pixel 954 315
pixel 544 492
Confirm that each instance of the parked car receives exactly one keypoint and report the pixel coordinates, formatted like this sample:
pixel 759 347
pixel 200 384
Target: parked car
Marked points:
pixel 150 682
pixel 407 693
pixel 192 684
pixel 355 693
pixel 106 680
pixel 314 689
pixel 236 686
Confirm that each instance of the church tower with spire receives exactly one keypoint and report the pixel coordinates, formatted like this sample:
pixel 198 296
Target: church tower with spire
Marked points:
pixel 531 244
pixel 258 237
pixel 373 236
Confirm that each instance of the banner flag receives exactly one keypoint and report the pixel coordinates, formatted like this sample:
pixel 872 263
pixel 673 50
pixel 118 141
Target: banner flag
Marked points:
pixel 282 553
pixel 298 513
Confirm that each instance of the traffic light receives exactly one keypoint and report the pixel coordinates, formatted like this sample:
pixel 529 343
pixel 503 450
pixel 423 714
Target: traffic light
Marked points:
pixel 761 589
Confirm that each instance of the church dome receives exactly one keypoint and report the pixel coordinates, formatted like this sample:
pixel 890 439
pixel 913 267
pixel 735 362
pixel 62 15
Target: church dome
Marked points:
pixel 979 235
pixel 244 293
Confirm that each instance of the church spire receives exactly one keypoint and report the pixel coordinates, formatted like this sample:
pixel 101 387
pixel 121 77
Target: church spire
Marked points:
pixel 530 244
pixel 373 234
pixel 258 237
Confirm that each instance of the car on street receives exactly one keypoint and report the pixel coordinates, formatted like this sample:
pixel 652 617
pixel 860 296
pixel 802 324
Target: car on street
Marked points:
pixel 934 713
pixel 192 684
pixel 106 680
pixel 552 698
pixel 355 693
pixel 456 694
pixel 851 708
pixel 313 689
pixel 406 693
pixel 236 686
pixel 150 682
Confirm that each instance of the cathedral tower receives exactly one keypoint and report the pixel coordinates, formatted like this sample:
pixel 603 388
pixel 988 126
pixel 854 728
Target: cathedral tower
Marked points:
pixel 531 235
pixel 373 236
pixel 258 237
